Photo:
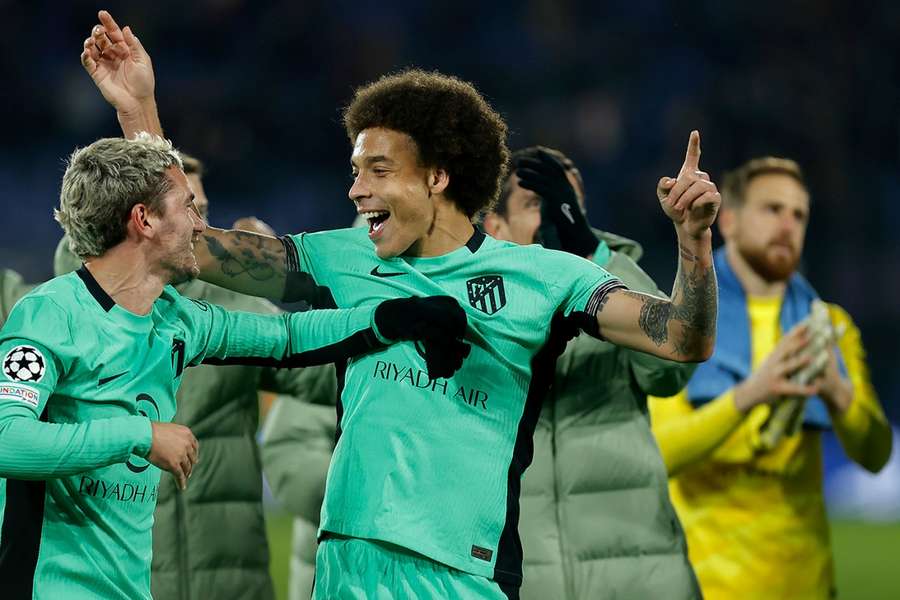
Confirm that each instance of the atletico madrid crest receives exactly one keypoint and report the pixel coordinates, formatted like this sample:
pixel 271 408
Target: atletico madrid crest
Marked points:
pixel 486 293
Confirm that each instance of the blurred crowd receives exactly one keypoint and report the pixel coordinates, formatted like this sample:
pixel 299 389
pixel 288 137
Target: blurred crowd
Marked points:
pixel 255 89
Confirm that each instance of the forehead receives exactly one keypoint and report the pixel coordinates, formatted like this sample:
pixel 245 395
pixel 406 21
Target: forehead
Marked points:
pixel 378 143
pixel 777 187
pixel 178 181
pixel 518 196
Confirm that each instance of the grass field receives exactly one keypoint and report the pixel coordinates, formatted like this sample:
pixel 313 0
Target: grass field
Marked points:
pixel 867 558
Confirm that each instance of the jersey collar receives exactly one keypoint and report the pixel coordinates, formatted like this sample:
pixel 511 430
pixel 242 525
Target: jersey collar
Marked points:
pixel 102 298
pixel 475 241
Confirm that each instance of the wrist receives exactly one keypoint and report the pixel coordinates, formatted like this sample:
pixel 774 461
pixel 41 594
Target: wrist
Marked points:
pixel 742 398
pixel 838 397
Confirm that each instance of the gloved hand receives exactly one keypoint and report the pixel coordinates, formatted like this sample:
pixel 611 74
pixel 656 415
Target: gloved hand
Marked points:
pixel 436 323
pixel 787 416
pixel 545 175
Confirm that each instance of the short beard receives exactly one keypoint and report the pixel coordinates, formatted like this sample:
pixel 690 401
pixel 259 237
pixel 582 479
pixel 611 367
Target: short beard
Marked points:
pixel 181 273
pixel 769 270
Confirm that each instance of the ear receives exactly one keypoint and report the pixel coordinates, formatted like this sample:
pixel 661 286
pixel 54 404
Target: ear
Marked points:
pixel 727 222
pixel 492 224
pixel 438 180
pixel 141 222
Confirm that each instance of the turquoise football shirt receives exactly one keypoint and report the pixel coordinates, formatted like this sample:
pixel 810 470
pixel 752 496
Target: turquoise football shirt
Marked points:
pixel 434 466
pixel 81 380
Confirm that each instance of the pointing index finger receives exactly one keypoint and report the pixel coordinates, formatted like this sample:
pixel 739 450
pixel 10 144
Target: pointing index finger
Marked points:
pixel 112 28
pixel 692 156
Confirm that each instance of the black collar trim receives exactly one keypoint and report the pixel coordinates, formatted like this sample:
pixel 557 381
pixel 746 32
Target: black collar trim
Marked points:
pixel 94 288
pixel 475 241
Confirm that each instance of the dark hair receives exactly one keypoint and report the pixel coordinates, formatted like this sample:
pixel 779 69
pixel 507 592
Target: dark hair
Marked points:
pixel 502 204
pixel 735 183
pixel 453 126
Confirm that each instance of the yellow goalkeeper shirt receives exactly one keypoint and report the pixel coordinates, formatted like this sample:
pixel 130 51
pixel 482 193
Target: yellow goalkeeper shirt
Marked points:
pixel 755 519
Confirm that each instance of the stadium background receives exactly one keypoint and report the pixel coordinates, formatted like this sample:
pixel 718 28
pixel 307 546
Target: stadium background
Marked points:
pixel 255 90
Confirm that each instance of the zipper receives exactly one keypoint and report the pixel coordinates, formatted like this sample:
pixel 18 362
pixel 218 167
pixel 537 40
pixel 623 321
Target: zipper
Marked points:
pixel 184 580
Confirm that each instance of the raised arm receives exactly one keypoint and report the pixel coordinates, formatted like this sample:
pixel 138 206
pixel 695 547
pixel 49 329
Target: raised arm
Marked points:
pixel 683 328
pixel 123 72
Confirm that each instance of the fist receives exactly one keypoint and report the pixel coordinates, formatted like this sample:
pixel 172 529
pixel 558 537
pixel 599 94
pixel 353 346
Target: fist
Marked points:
pixel 691 200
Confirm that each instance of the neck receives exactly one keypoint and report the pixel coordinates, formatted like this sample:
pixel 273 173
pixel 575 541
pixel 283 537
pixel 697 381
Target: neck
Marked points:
pixel 752 282
pixel 450 229
pixel 124 273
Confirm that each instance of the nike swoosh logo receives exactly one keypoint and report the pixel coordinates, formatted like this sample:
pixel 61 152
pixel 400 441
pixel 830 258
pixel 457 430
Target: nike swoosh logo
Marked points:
pixel 105 380
pixel 378 273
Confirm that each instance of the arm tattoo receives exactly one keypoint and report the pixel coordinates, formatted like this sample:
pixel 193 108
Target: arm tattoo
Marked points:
pixel 247 254
pixel 694 308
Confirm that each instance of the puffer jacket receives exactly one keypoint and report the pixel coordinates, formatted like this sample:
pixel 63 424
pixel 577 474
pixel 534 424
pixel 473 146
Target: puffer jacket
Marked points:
pixel 596 520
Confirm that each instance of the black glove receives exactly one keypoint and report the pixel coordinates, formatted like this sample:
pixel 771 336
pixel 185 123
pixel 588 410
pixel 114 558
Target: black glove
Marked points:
pixel 436 323
pixel 545 175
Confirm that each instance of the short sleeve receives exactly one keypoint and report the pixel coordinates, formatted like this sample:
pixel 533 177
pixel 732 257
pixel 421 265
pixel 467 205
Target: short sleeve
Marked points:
pixel 579 285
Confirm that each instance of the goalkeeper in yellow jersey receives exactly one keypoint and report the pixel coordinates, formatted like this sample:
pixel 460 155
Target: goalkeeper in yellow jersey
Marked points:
pixel 742 441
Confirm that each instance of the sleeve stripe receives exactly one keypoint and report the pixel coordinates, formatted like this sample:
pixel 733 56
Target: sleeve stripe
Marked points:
pixel 598 295
pixel 291 256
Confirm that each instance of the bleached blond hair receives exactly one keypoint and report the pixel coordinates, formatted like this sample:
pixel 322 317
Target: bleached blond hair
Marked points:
pixel 104 181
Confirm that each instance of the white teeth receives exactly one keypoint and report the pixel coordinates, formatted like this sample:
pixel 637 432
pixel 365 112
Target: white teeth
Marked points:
pixel 373 214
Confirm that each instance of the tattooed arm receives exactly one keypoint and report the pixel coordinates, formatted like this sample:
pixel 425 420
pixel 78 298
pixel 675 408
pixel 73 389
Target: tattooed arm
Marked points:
pixel 683 328
pixel 250 263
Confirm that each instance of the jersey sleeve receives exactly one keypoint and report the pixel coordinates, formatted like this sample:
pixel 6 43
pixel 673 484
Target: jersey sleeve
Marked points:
pixel 579 285
pixel 314 337
pixel 35 346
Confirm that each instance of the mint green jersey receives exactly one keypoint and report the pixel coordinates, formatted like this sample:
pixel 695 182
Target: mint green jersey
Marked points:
pixel 82 379
pixel 434 466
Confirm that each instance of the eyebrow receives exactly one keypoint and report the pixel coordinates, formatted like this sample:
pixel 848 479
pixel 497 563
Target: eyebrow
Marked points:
pixel 369 160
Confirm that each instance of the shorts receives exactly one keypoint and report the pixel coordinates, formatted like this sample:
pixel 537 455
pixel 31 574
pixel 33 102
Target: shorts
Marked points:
pixel 359 569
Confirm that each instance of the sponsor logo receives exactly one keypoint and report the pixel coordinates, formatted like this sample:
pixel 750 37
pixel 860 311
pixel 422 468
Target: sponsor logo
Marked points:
pixel 118 490
pixel 147 406
pixel 567 210
pixel 487 293
pixel 24 363
pixel 105 380
pixel 22 393
pixel 417 378
pixel 482 553
pixel 378 273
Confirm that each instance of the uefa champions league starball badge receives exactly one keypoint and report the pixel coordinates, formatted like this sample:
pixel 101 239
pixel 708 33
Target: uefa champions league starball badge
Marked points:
pixel 25 364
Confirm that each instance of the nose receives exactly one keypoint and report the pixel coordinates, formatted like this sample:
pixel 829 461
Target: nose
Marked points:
pixel 359 189
pixel 199 223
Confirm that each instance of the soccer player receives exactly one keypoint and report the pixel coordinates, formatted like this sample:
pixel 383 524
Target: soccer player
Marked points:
pixel 423 489
pixel 752 504
pixel 592 527
pixel 194 556
pixel 91 362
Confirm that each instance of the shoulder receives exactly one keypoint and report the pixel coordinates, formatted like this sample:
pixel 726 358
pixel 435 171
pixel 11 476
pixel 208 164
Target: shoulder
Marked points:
pixel 333 237
pixel 45 314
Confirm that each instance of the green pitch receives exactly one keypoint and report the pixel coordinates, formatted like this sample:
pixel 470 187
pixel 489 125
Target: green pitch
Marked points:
pixel 865 555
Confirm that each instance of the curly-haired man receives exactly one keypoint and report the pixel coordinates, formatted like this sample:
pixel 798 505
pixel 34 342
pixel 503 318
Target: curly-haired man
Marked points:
pixel 423 489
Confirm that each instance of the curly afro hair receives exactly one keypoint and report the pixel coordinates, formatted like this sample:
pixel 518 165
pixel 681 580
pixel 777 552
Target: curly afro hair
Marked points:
pixel 452 125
